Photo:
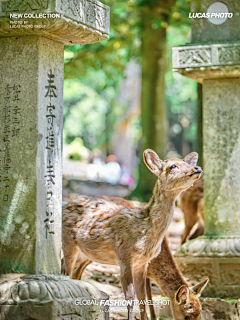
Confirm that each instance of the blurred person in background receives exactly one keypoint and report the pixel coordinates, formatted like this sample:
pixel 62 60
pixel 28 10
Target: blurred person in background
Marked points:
pixel 113 170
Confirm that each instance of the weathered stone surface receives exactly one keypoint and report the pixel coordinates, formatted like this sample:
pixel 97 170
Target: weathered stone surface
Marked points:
pixel 212 247
pixel 204 31
pixel 206 55
pixel 217 254
pixel 31 102
pixel 214 51
pixel 211 61
pixel 42 297
pixel 80 21
pixel 212 309
pixel 219 309
pixel 223 274
pixel 221 118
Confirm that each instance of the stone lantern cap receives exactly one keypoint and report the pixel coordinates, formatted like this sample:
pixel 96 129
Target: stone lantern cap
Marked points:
pixel 65 21
pixel 210 61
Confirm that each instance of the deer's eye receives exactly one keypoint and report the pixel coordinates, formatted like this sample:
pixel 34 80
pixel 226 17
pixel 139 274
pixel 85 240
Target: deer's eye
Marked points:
pixel 173 166
pixel 187 318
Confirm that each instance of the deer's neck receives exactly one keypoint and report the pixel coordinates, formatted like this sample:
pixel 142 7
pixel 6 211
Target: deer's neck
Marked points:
pixel 161 205
pixel 164 271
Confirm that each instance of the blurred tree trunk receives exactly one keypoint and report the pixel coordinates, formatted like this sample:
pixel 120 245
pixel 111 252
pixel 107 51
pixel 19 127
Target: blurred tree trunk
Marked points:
pixel 200 126
pixel 107 129
pixel 153 110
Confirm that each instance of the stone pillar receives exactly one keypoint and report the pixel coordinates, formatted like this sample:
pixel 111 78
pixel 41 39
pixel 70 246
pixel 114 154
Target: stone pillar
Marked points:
pixel 31 126
pixel 213 59
pixel 32 38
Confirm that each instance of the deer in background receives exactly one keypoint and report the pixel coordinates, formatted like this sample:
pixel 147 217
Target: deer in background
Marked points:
pixel 191 202
pixel 103 230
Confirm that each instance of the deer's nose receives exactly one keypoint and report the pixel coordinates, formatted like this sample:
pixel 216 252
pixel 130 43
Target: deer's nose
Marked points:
pixel 198 169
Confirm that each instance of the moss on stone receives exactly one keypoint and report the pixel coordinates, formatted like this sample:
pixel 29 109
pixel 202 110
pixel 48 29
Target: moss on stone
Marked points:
pixel 7 266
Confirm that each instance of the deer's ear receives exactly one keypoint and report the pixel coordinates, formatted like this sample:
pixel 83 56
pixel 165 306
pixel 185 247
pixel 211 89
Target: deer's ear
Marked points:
pixel 199 287
pixel 182 294
pixel 191 158
pixel 152 161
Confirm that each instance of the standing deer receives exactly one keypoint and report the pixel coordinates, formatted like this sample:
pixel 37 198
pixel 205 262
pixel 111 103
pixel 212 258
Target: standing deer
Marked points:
pixel 163 270
pixel 107 232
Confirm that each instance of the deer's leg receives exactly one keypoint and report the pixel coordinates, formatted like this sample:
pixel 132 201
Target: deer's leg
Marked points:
pixel 139 277
pixel 185 234
pixel 188 227
pixel 63 268
pixel 70 252
pixel 77 274
pixel 127 285
pixel 149 296
pixel 200 229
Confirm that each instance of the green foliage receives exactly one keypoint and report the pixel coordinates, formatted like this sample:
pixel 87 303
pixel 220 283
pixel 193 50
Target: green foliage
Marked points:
pixel 179 14
pixel 84 113
pixel 93 74
pixel 90 111
pixel 7 266
pixel 181 99
pixel 77 150
pixel 110 56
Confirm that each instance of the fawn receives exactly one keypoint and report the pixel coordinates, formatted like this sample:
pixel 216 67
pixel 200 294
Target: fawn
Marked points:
pixel 184 300
pixel 191 203
pixel 107 232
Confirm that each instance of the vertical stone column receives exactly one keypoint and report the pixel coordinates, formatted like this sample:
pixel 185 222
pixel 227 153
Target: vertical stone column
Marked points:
pixel 31 102
pixel 212 58
pixel 32 38
pixel 221 116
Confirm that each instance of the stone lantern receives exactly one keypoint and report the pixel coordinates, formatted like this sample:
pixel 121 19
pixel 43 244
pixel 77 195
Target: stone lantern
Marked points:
pixel 32 38
pixel 213 59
